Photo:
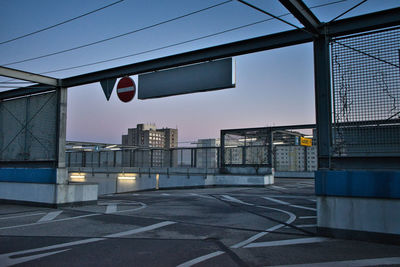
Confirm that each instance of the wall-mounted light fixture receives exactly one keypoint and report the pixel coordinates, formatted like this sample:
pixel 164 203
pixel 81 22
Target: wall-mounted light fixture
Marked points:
pixel 77 177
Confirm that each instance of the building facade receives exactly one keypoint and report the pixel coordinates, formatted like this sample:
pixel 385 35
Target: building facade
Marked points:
pixel 153 145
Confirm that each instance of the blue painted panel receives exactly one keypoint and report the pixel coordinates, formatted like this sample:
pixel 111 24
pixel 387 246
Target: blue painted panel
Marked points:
pixel 26 175
pixel 374 184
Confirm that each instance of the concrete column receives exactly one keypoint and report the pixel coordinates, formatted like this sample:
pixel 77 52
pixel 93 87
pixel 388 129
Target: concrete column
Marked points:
pixel 62 171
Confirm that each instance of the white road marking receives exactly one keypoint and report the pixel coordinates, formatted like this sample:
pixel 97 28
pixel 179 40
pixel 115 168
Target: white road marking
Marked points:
pixel 304 225
pixel 6 261
pixel 59 220
pixel 313 200
pixel 201 259
pixel 135 194
pixel 111 208
pixel 142 206
pixel 165 194
pixel 277 201
pixel 288 204
pixel 278 187
pixel 50 216
pixel 140 230
pixel 302 207
pixel 287 242
pixel 307 217
pixel 233 199
pixel 291 219
pixel 6 258
pixel 24 215
pixel 200 195
pixel 352 263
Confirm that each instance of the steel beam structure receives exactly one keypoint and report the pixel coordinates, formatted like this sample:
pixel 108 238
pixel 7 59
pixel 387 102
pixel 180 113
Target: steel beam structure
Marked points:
pixel 372 21
pixel 303 14
pixel 28 76
pixel 323 109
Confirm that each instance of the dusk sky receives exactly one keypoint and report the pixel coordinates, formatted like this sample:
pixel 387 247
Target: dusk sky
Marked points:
pixel 274 87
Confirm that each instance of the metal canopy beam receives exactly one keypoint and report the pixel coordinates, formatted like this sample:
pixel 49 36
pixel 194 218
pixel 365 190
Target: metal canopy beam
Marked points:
pixel 27 76
pixel 361 23
pixel 303 14
pixel 342 27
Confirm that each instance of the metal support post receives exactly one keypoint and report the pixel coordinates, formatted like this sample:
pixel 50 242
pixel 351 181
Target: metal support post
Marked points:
pixel 323 100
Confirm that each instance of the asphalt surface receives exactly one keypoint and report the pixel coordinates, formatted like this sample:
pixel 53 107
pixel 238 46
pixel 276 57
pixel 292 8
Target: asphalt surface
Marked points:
pixel 233 226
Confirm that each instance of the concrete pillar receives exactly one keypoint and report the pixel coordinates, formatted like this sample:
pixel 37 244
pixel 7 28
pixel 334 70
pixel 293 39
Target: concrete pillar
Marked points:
pixel 62 172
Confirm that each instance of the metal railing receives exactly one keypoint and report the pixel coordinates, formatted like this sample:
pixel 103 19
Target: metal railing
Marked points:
pixel 196 157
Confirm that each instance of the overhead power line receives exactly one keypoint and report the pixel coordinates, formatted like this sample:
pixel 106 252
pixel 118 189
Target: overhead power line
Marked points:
pixel 119 35
pixel 61 23
pixel 183 42
pixel 348 10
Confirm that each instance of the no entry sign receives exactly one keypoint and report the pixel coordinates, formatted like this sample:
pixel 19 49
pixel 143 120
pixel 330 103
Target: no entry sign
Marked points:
pixel 126 89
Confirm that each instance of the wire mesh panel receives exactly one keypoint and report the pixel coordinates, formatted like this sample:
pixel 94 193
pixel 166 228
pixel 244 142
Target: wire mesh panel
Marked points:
pixel 247 147
pixel 366 94
pixel 29 128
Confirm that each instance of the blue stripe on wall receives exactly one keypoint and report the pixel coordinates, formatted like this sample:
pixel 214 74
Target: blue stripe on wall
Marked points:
pixel 26 175
pixel 374 184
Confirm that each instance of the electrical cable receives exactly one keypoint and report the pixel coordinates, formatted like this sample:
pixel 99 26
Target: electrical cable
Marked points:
pixel 272 15
pixel 179 43
pixel 61 23
pixel 119 35
pixel 183 42
pixel 347 11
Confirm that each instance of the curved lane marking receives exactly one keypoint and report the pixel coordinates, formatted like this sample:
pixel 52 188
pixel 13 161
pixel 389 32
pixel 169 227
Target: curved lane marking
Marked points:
pixel 291 219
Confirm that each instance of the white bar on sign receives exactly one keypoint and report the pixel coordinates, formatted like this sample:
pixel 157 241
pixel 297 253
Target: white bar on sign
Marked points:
pixel 126 89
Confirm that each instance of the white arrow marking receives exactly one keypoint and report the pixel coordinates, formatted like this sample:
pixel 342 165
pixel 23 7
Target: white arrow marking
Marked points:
pixel 111 208
pixel 50 216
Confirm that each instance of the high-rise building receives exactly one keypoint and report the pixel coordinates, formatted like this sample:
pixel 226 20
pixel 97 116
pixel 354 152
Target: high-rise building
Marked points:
pixel 153 145
pixel 148 136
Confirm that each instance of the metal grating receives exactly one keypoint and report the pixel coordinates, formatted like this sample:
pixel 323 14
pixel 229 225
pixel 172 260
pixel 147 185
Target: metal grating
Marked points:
pixel 366 94
pixel 28 128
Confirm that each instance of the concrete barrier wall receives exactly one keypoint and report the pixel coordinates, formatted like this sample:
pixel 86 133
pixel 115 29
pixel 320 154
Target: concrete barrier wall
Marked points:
pixel 157 178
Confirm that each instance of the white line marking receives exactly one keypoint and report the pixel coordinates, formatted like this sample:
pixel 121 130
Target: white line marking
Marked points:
pixel 200 259
pixel 165 194
pixel 135 194
pixel 302 207
pixel 313 200
pixel 50 216
pixel 278 187
pixel 25 215
pixel 59 220
pixel 287 203
pixel 307 217
pixel 233 199
pixel 111 208
pixel 292 218
pixel 142 206
pixel 304 225
pixel 6 261
pixel 287 242
pixel 352 263
pixel 199 195
pixel 277 201
pixel 4 258
pixel 140 230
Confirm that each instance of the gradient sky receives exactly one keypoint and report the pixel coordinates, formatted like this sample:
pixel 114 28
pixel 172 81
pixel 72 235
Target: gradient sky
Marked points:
pixel 272 88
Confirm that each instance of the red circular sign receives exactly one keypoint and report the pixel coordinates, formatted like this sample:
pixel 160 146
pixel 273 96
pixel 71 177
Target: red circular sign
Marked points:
pixel 126 89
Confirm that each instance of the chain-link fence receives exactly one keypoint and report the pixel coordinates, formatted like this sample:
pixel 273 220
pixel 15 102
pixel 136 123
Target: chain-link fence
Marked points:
pixel 28 129
pixel 366 94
